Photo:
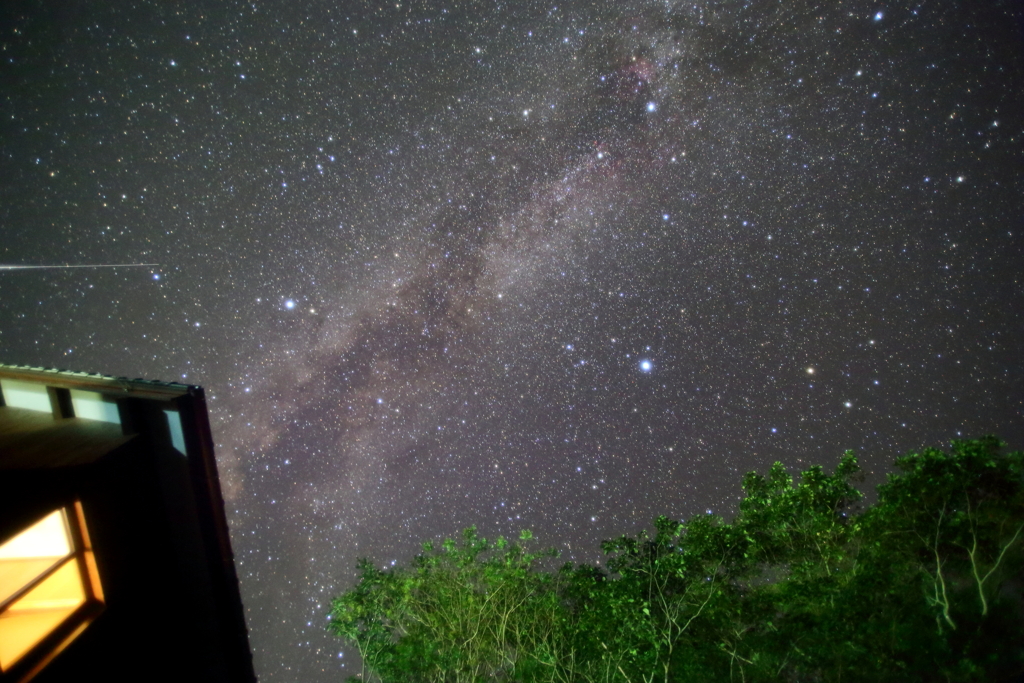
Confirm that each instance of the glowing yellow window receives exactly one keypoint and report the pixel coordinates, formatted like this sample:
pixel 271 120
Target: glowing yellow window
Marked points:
pixel 49 589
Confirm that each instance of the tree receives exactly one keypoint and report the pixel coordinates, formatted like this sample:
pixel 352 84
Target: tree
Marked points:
pixel 466 611
pixel 924 585
pixel 948 531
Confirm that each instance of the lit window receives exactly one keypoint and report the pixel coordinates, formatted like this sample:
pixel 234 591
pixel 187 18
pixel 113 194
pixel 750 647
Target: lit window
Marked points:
pixel 49 589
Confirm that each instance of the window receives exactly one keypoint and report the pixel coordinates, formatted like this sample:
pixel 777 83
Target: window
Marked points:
pixel 49 589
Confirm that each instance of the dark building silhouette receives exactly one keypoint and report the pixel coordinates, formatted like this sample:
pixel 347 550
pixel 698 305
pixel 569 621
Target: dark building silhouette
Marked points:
pixel 115 560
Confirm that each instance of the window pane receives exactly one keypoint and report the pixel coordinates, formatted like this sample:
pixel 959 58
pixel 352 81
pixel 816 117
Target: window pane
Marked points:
pixel 36 614
pixel 28 395
pixel 94 406
pixel 32 552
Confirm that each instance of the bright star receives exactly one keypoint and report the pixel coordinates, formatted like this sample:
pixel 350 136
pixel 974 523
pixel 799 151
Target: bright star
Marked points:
pixel 652 107
pixel 289 304
pixel 646 366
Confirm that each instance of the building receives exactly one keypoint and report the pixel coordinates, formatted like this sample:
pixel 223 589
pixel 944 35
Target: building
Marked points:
pixel 115 559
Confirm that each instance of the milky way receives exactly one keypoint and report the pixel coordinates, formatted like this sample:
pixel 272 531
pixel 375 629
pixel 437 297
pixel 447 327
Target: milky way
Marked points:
pixel 562 267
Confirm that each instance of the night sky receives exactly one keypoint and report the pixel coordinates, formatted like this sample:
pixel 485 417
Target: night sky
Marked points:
pixel 562 266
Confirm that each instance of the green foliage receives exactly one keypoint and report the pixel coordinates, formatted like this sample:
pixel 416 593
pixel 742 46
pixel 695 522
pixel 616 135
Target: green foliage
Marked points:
pixel 924 585
pixel 465 612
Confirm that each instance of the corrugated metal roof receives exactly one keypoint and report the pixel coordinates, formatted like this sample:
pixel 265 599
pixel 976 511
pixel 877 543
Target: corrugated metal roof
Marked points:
pixel 72 379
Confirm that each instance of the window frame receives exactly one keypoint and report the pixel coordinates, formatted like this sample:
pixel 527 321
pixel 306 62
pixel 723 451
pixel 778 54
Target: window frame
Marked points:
pixel 36 658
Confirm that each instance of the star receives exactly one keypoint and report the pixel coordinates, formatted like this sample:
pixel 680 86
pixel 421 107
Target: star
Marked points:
pixel 490 232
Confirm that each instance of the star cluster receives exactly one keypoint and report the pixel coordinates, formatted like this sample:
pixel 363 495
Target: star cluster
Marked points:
pixel 559 266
